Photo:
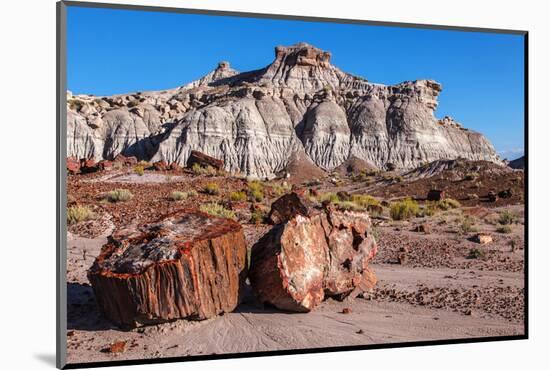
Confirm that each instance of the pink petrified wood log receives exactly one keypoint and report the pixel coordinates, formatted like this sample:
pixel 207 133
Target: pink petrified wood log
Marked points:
pixel 307 258
pixel 186 265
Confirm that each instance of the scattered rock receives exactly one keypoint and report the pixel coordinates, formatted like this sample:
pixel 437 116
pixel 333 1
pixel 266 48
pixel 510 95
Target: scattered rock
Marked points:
pixel 73 165
pixel 290 205
pixel 482 239
pixel 492 196
pixel 346 310
pixel 504 194
pixel 88 165
pixel 160 166
pixel 186 265
pixel 423 228
pixel 116 347
pixel 435 195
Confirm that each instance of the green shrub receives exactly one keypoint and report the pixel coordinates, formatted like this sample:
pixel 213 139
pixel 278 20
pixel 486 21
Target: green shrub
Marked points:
pixel 281 189
pixel 448 203
pixel 331 197
pixel 255 186
pixel 119 195
pixel 468 225
pixel 475 254
pixel 181 195
pixel 504 229
pixel 140 170
pixel 76 214
pixel 212 188
pixel 216 209
pixel 404 209
pixel 258 216
pixel 207 171
pixel 348 205
pixel 506 217
pixel 364 200
pixel 237 196
pixel 256 195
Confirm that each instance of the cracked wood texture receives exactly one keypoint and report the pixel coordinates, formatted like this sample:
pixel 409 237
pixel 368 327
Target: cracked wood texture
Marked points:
pixel 305 259
pixel 186 265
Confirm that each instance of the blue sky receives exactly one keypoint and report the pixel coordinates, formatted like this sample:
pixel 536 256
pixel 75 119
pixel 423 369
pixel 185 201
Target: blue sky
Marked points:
pixel 117 51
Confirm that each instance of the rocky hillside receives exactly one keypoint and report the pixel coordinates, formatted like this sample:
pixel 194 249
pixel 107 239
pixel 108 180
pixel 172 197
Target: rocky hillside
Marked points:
pixel 256 120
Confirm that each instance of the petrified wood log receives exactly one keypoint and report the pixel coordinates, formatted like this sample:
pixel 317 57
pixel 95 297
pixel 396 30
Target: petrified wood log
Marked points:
pixel 204 160
pixel 300 262
pixel 186 265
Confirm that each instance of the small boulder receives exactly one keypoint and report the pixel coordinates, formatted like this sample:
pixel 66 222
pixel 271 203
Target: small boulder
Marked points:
pixel 160 166
pixel 422 228
pixel 492 197
pixel 482 238
pixel 505 194
pixel 105 165
pixel 435 195
pixel 73 165
pixel 88 165
pixel 290 205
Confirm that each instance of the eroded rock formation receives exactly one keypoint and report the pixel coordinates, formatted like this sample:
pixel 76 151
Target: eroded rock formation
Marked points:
pixel 186 265
pixel 312 254
pixel 255 121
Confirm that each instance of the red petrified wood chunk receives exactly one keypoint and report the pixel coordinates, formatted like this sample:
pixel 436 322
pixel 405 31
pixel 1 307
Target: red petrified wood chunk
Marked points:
pixel 305 259
pixel 435 195
pixel 160 166
pixel 290 205
pixel 204 160
pixel 73 165
pixel 186 265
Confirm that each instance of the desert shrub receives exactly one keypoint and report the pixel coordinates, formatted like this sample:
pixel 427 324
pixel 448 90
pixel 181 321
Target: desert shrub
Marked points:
pixel 404 209
pixel 281 188
pixel 258 216
pixel 475 254
pixel 348 205
pixel 181 195
pixel 506 217
pixel 448 203
pixel 364 200
pixel 212 188
pixel 207 171
pixel 255 185
pixel 237 196
pixel 331 197
pixel 140 170
pixel 119 195
pixel 218 210
pixel 76 214
pixel 191 193
pixel 504 229
pixel 256 191
pixel 256 195
pixel 468 225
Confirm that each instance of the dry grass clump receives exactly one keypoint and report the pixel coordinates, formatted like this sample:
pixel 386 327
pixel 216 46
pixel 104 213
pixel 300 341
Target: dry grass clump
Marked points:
pixel 237 196
pixel 448 203
pixel 207 171
pixel 506 217
pixel 76 214
pixel 218 210
pixel 280 189
pixel 119 195
pixel 212 188
pixel 182 195
pixel 475 254
pixel 256 191
pixel 468 225
pixel 258 216
pixel 504 229
pixel 139 169
pixel 404 209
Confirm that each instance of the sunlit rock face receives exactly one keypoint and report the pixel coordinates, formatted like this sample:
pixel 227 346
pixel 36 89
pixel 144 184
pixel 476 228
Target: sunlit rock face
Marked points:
pixel 255 121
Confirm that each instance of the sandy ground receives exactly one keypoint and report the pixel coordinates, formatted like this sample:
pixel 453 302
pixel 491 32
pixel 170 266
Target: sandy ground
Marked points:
pixel 437 295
